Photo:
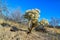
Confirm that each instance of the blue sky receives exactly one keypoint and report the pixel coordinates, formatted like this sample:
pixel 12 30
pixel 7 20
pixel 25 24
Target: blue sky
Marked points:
pixel 49 8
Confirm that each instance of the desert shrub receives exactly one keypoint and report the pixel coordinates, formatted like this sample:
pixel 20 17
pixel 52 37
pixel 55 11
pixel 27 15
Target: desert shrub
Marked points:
pixel 54 22
pixel 15 16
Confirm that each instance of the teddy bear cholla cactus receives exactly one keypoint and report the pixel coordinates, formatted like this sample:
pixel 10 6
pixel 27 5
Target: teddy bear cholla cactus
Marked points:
pixel 32 16
pixel 44 22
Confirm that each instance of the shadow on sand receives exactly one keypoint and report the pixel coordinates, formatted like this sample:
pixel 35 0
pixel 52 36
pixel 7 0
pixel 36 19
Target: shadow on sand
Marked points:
pixel 14 29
